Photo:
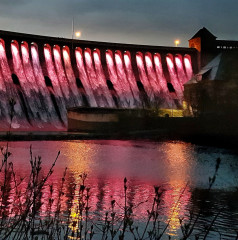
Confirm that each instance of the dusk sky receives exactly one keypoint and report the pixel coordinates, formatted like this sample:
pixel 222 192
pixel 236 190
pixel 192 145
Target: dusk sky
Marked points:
pixel 151 22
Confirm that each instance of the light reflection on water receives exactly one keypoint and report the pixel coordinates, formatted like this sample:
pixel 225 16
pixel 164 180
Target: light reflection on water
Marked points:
pixel 171 165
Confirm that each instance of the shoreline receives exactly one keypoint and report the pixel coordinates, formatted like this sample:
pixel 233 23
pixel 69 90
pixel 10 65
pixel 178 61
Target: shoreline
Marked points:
pixel 158 135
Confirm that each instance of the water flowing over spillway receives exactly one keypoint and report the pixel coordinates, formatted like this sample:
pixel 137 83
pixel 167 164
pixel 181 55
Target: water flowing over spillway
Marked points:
pixel 44 81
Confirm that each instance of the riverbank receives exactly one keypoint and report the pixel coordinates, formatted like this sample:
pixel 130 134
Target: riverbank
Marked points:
pixel 145 135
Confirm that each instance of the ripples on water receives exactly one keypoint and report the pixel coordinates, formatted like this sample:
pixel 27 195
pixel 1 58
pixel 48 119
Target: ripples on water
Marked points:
pixel 171 165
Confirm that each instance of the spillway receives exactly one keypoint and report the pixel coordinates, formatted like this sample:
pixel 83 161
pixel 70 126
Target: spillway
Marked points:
pixel 46 76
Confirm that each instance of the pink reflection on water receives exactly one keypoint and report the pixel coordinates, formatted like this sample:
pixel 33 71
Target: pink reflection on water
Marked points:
pixel 107 163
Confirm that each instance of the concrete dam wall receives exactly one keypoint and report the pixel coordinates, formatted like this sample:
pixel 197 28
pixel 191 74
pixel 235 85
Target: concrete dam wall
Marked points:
pixel 41 77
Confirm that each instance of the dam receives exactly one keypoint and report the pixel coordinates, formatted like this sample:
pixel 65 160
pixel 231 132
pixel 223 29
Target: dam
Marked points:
pixel 41 77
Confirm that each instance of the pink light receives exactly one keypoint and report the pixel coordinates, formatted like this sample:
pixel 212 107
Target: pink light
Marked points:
pixel 24 50
pixel 47 53
pixel 118 58
pixel 87 57
pixel 148 61
pixel 56 53
pixel 1 45
pixel 187 62
pixel 65 54
pixel 14 49
pixel 139 60
pixel 157 62
pixel 96 56
pixel 109 59
pixel 1 48
pixel 78 55
pixel 188 66
pixel 169 61
pixel 126 59
pixel 34 52
pixel 178 62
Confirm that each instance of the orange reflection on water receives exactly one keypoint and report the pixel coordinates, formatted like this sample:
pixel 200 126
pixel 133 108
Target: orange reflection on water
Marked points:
pixel 79 157
pixel 178 193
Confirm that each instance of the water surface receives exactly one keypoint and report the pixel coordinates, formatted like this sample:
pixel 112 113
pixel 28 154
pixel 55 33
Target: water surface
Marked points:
pixel 182 170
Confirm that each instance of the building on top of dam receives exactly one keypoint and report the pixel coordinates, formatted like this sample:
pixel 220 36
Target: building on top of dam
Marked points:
pixel 213 90
pixel 208 46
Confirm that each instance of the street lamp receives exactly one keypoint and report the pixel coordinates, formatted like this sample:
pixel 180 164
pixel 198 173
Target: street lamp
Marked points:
pixel 176 42
pixel 78 34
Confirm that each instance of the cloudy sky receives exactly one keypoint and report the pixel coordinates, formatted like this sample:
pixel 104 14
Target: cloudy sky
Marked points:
pixel 152 22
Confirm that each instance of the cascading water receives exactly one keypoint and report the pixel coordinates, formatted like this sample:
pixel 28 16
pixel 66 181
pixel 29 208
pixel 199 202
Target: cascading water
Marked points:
pixel 45 85
pixel 101 77
pixel 131 78
pixel 56 91
pixel 188 66
pixel 151 74
pixel 44 93
pixel 71 77
pixel 180 69
pixel 123 80
pixel 174 77
pixel 168 102
pixel 143 76
pixel 84 77
pixel 11 92
pixel 34 89
pixel 119 88
pixel 4 113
